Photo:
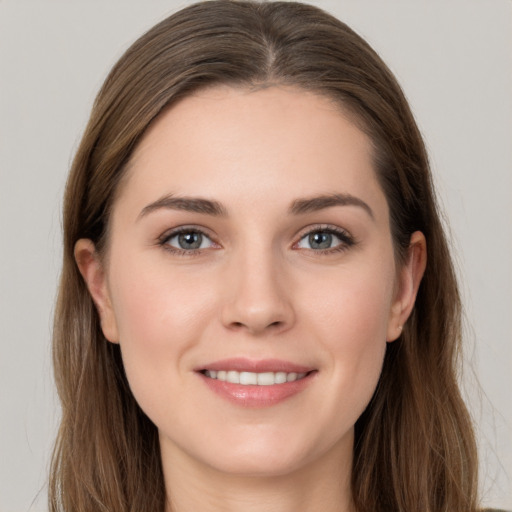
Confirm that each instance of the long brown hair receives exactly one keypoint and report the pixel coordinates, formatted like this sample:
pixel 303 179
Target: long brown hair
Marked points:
pixel 414 445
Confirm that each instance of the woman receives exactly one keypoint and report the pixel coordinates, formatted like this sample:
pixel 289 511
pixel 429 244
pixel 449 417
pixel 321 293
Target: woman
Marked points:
pixel 258 307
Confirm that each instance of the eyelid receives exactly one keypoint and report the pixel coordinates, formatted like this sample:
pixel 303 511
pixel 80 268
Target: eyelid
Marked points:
pixel 345 236
pixel 164 238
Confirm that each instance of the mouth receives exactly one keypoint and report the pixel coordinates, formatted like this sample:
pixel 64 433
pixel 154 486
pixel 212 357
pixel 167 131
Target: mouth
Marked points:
pixel 254 378
pixel 256 384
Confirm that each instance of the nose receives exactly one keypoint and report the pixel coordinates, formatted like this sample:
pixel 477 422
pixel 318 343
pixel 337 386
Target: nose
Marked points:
pixel 258 299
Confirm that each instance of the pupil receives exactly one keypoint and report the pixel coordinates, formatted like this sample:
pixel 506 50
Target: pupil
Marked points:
pixel 190 240
pixel 320 240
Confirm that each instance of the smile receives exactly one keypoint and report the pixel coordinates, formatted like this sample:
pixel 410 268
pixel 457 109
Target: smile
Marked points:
pixel 256 384
pixel 253 378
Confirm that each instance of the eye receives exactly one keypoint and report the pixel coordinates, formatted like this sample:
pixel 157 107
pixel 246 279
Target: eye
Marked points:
pixel 325 239
pixel 187 240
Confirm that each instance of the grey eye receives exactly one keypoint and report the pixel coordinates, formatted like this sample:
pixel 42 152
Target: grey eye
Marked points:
pixel 189 241
pixel 320 240
pixel 325 239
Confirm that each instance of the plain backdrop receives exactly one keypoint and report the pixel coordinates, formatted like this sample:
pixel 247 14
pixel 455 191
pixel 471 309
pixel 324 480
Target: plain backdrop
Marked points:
pixel 452 57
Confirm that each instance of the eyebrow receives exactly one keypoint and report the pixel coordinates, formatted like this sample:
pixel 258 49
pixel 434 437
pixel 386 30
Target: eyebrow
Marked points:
pixel 214 208
pixel 189 204
pixel 316 203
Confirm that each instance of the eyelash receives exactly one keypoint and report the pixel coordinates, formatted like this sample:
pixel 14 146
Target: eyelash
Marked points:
pixel 164 239
pixel 347 241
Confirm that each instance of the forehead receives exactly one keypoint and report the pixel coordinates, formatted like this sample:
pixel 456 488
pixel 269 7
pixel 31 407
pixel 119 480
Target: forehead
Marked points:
pixel 253 146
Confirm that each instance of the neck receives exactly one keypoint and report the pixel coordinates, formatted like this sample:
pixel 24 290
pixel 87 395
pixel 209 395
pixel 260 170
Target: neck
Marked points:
pixel 320 485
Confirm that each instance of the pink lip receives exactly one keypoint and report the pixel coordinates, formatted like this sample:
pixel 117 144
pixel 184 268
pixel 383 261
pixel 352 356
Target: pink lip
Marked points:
pixel 241 364
pixel 256 396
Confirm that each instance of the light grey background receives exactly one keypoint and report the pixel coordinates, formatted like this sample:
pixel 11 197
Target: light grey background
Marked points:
pixel 453 58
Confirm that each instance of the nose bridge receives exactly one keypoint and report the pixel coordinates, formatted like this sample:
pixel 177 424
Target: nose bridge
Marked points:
pixel 258 298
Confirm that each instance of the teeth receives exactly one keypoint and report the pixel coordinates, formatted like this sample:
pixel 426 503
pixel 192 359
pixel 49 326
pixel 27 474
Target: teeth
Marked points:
pixel 266 379
pixel 253 379
pixel 233 377
pixel 282 377
pixel 247 378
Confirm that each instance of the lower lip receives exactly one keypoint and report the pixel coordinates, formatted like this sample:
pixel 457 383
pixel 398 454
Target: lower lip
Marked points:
pixel 257 396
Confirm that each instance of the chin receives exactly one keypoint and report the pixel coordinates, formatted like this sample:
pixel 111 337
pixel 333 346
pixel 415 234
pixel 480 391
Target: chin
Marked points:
pixel 264 466
pixel 263 452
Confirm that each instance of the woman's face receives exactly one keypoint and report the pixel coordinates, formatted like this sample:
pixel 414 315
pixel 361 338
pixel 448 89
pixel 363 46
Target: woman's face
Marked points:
pixel 251 241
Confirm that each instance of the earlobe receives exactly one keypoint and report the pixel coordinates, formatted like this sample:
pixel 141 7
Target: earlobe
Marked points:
pixel 91 268
pixel 408 284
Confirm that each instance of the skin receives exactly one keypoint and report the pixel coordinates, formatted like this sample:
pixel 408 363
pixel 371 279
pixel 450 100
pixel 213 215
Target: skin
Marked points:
pixel 256 288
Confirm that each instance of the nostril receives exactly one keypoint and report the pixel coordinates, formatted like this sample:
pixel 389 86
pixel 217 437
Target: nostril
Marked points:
pixel 240 325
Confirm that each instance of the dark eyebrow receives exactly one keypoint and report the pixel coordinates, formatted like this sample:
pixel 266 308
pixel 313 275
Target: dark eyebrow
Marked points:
pixel 316 203
pixel 189 204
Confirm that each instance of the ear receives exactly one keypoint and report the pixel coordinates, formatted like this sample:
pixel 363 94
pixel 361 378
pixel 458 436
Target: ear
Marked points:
pixel 408 282
pixel 92 271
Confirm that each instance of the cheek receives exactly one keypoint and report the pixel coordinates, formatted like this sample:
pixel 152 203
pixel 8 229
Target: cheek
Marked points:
pixel 155 301
pixel 350 322
pixel 352 308
pixel 160 317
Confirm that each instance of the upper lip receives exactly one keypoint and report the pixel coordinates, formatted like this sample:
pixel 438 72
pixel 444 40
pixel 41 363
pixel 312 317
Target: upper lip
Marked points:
pixel 241 364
